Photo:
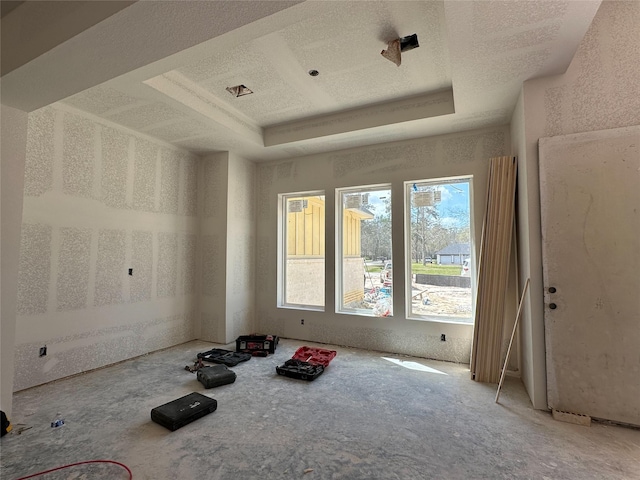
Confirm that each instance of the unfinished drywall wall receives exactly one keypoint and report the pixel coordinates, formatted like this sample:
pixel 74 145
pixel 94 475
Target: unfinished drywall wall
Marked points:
pixel 212 183
pixel 14 141
pixel 240 259
pixel 100 200
pixel 600 90
pixel 227 235
pixel 531 330
pixel 435 157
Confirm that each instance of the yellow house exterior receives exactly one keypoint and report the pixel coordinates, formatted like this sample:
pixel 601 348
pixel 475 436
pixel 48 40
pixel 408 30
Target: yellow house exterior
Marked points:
pixel 305 229
pixel 306 251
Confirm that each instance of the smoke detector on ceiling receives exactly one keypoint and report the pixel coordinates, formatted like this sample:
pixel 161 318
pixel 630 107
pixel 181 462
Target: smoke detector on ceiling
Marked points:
pixel 239 90
pixel 398 45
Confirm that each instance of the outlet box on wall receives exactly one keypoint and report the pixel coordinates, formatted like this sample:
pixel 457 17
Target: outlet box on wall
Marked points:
pixel 43 351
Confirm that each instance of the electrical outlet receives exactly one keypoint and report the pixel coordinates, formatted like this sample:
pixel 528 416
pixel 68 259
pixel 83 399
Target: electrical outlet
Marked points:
pixel 43 351
pixel 302 321
pixel 131 271
pixel 443 337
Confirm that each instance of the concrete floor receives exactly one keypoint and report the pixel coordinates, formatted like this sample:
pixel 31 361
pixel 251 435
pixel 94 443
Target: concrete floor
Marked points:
pixel 364 418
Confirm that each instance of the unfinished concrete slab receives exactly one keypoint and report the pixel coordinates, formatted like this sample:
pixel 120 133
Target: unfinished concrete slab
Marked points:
pixel 364 418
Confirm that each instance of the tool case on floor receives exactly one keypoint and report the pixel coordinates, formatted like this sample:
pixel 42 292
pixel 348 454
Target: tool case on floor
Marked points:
pixel 184 410
pixel 226 357
pixel 256 343
pixel 307 363
pixel 215 375
pixel 5 426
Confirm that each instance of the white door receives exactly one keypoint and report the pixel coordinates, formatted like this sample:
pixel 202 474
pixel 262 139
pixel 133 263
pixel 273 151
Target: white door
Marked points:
pixel 590 207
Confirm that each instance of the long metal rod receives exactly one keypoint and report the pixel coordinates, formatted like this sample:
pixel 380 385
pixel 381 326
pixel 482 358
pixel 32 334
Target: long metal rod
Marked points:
pixel 513 334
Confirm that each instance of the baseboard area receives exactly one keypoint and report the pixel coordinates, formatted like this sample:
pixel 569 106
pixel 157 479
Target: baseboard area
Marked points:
pixel 569 417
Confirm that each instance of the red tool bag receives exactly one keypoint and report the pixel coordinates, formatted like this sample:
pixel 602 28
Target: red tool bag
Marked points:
pixel 308 363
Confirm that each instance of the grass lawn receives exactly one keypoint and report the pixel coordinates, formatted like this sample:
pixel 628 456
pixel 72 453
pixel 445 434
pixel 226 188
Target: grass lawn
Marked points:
pixel 429 269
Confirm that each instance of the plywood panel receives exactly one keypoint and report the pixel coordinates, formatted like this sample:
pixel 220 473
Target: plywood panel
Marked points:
pixel 493 270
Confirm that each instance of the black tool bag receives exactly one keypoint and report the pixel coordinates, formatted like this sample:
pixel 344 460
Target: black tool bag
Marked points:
pixel 226 357
pixel 257 343
pixel 183 411
pixel 215 376
pixel 307 363
pixel 6 424
pixel 301 370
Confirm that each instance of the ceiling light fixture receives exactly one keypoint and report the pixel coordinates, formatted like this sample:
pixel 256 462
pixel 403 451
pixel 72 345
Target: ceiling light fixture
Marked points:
pixel 239 90
pixel 394 47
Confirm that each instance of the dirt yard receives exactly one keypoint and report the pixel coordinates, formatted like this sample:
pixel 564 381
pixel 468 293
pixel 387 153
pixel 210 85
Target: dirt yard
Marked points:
pixel 445 301
pixel 435 300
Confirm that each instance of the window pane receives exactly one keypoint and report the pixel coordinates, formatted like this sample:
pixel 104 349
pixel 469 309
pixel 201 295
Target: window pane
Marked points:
pixel 440 250
pixel 303 238
pixel 365 285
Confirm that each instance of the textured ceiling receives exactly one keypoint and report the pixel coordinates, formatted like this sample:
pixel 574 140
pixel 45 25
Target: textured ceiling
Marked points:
pixel 345 52
pixel 6 6
pixel 467 73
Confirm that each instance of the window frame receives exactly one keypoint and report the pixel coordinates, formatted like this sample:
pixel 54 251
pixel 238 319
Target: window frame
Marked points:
pixel 339 245
pixel 282 255
pixel 407 185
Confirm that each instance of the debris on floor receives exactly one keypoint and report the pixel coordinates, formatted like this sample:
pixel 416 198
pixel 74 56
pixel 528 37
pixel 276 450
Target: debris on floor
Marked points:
pixel 20 427
pixel 57 422
pixel 197 365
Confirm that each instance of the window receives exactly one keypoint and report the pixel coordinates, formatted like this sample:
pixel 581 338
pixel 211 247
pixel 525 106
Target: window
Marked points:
pixel 365 281
pixel 302 236
pixel 439 254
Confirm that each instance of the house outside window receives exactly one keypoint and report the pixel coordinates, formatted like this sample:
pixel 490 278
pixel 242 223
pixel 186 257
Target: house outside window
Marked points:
pixel 302 277
pixel 439 268
pixel 453 254
pixel 363 245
